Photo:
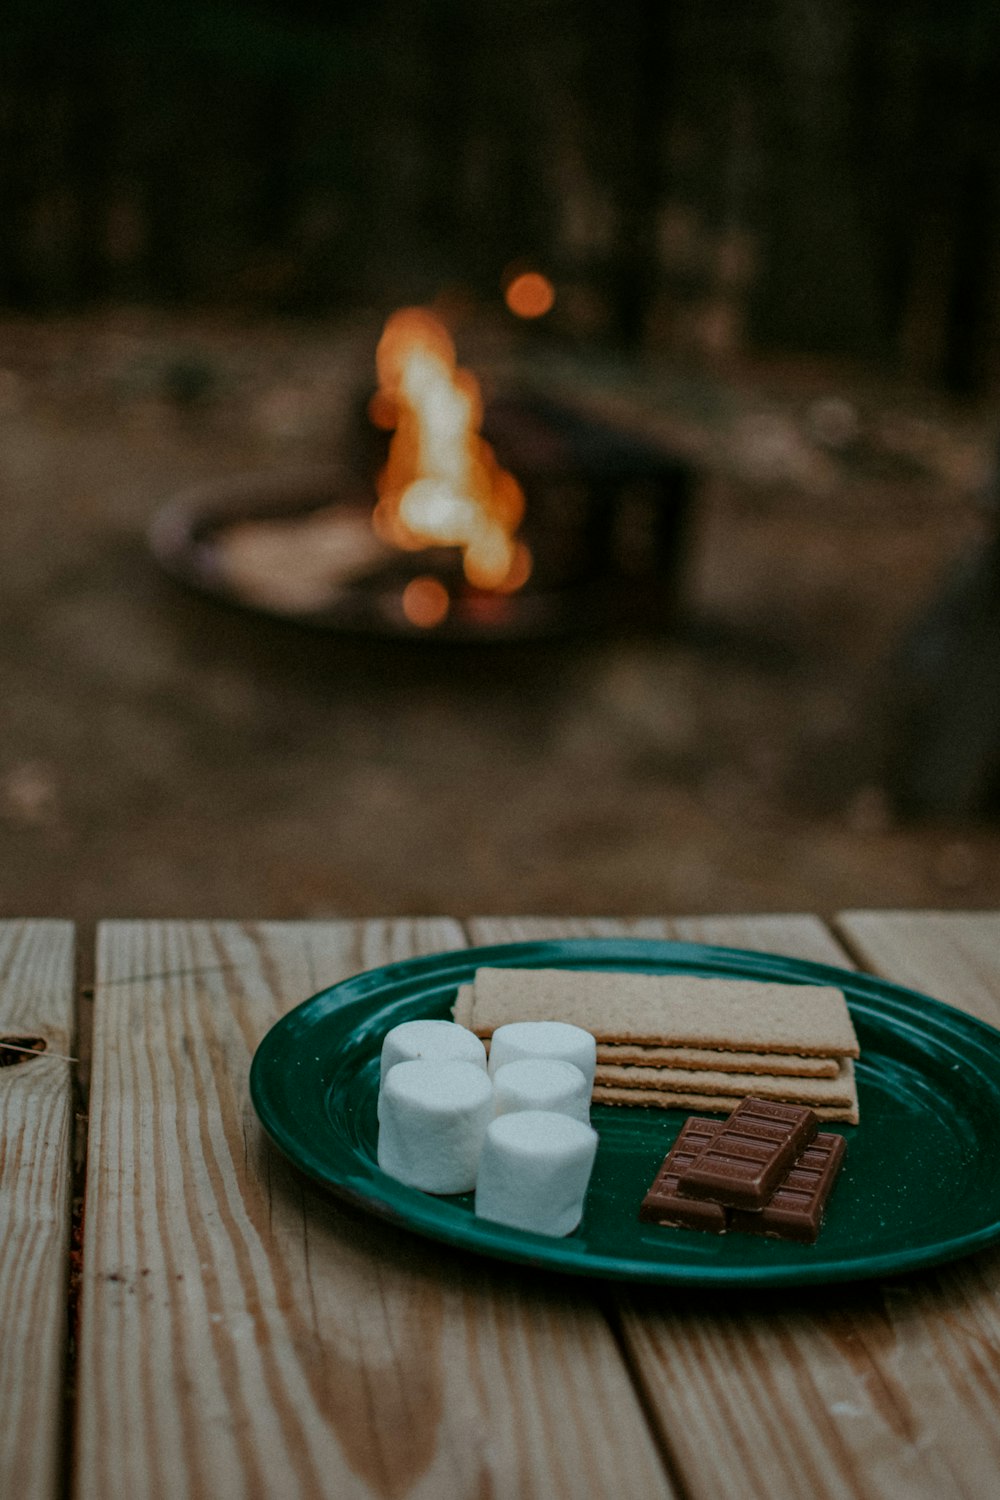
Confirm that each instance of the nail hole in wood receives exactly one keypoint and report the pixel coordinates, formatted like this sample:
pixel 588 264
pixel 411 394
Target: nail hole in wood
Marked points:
pixel 20 1049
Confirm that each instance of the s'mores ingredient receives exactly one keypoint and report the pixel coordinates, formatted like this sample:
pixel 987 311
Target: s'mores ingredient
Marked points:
pixel 676 1055
pixel 439 1041
pixel 546 1039
pixel 715 1060
pixel 462 1008
pixel 541 1083
pixel 667 1009
pixel 664 1204
pixel 718 1104
pixel 744 1161
pixel 677 1040
pixel 534 1171
pixel 432 1121
pixel 839 1090
pixel 795 1209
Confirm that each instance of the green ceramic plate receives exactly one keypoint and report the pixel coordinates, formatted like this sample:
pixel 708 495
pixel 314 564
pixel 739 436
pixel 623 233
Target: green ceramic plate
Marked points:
pixel 920 1182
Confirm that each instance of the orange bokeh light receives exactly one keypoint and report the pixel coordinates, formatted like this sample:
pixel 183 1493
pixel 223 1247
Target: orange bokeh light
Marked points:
pixel 530 295
pixel 425 602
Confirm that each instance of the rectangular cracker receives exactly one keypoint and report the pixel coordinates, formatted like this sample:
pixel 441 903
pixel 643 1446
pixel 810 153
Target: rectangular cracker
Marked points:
pixel 715 1059
pixel 710 1059
pixel 719 1104
pixel 461 1011
pixel 671 1009
pixel 780 1088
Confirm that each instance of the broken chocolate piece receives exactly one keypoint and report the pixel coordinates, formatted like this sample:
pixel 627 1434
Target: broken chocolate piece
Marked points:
pixel 663 1204
pixel 743 1163
pixel 794 1210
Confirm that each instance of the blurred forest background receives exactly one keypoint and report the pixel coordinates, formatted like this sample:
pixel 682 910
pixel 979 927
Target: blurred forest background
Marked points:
pixel 774 234
pixel 808 174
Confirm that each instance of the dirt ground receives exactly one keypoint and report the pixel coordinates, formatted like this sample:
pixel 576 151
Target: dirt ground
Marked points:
pixel 163 754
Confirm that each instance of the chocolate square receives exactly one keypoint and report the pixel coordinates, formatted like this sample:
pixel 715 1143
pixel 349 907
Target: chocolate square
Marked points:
pixel 741 1164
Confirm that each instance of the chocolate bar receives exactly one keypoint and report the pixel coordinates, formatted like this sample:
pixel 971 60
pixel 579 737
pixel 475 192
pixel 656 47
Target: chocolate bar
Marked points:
pixel 663 1204
pixel 794 1210
pixel 743 1163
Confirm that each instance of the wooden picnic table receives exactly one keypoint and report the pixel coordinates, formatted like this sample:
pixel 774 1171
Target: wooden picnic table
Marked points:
pixel 243 1334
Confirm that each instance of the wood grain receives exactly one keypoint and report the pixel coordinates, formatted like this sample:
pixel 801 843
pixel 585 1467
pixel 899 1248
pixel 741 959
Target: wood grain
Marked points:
pixel 804 936
pixel 882 1391
pixel 946 1326
pixel 953 956
pixel 243 1335
pixel 36 1114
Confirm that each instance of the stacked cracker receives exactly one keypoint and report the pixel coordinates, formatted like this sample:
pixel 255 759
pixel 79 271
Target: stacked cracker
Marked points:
pixel 682 1042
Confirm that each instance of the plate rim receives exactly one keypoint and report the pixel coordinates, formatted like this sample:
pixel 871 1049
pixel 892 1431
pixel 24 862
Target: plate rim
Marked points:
pixel 420 1213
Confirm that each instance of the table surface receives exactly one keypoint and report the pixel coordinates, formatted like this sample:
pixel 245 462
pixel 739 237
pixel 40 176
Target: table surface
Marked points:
pixel 234 1332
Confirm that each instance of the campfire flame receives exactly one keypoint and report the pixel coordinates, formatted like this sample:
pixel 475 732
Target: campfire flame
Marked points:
pixel 442 484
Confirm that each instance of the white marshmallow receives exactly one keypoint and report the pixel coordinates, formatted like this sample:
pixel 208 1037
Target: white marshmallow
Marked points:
pixel 541 1083
pixel 432 1123
pixel 549 1039
pixel 440 1041
pixel 534 1171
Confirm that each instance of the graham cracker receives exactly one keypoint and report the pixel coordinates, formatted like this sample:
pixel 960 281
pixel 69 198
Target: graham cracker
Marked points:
pixel 718 1104
pixel 709 1059
pixel 461 1011
pixel 624 1054
pixel 784 1088
pixel 743 1015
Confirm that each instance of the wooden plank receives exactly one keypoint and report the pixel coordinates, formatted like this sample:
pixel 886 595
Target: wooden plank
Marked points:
pixel 804 936
pixel 244 1335
pixel 945 1327
pixel 834 1393
pixel 879 1391
pixel 954 956
pixel 36 1116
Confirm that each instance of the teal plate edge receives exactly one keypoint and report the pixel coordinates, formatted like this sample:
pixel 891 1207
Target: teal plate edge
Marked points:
pixel 397 987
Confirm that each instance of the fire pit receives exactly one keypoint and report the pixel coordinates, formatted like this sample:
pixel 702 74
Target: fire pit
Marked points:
pixel 589 534
pixel 300 545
